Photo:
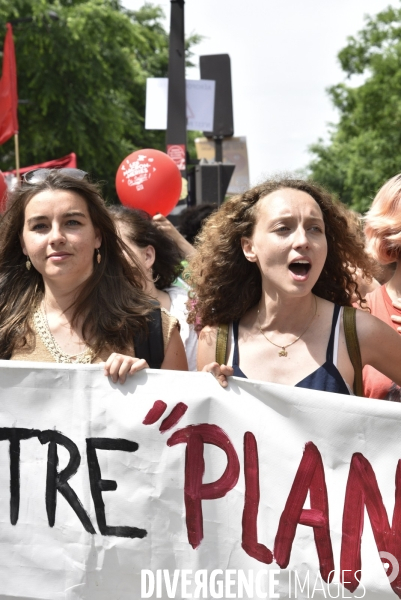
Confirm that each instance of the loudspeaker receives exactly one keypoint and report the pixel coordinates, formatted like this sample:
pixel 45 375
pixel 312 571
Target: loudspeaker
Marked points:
pixel 218 68
pixel 212 181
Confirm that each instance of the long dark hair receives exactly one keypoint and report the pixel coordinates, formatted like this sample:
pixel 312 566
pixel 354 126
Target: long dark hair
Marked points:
pixel 226 285
pixel 143 232
pixel 111 301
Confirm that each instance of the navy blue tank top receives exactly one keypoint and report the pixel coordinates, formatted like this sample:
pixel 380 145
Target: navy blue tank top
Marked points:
pixel 326 378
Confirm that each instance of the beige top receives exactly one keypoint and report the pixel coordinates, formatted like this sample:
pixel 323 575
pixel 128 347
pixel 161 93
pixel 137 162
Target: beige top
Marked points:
pixel 38 352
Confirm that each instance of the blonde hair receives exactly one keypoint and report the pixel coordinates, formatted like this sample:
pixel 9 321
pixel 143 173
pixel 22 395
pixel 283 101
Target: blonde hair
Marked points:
pixel 383 223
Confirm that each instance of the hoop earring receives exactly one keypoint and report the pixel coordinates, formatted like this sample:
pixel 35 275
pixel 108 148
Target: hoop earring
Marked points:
pixel 98 256
pixel 155 279
pixel 28 263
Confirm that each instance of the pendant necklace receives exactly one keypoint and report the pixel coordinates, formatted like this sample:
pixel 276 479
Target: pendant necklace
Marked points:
pixel 283 351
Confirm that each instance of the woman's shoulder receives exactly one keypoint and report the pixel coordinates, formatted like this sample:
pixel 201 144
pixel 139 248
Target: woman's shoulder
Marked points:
pixel 372 327
pixel 209 330
pixel 169 323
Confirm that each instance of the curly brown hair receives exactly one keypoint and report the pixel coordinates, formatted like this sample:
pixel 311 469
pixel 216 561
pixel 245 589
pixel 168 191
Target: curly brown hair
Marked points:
pixel 226 285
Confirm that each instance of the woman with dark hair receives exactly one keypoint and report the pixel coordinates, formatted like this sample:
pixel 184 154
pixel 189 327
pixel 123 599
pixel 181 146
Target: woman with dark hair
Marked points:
pixel 160 258
pixel 67 291
pixel 274 264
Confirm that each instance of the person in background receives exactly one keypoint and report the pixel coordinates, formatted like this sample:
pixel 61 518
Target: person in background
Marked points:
pixel 160 258
pixel 383 242
pixel 273 264
pixel 166 227
pixel 365 285
pixel 68 294
pixel 190 222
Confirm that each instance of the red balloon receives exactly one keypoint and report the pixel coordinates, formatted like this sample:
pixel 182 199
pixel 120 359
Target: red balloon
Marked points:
pixel 3 193
pixel 150 180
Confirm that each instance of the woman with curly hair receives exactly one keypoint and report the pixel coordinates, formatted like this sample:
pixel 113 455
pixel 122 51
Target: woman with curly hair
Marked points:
pixel 383 243
pixel 67 291
pixel 273 263
pixel 160 258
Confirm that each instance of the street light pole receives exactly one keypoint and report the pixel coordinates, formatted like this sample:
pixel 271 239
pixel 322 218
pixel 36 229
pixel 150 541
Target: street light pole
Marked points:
pixel 176 134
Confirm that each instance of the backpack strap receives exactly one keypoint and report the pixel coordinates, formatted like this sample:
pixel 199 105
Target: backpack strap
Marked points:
pixel 150 345
pixel 221 344
pixel 351 338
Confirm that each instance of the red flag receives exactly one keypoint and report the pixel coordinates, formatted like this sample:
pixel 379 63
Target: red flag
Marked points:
pixel 69 161
pixel 8 90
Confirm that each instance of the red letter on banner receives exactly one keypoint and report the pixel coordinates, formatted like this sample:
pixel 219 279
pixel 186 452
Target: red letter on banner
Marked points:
pixel 309 477
pixel 196 436
pixel 251 507
pixel 362 490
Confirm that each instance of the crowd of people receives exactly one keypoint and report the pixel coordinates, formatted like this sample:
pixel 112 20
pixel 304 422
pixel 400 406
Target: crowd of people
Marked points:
pixel 278 285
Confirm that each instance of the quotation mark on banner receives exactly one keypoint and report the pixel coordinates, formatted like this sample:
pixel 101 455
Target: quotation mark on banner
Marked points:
pixel 157 411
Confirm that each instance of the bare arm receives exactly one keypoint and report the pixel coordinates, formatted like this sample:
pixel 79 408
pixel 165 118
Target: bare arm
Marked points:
pixel 207 356
pixel 168 228
pixel 175 358
pixel 380 346
pixel 396 318
pixel 119 366
pixel 206 347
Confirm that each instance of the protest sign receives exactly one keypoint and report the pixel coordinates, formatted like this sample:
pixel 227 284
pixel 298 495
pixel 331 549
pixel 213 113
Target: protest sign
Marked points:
pixel 171 487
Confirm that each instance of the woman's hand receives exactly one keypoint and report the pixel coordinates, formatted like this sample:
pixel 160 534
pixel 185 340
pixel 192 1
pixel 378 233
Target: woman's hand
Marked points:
pixel 207 356
pixel 395 318
pixel 118 366
pixel 168 228
pixel 220 372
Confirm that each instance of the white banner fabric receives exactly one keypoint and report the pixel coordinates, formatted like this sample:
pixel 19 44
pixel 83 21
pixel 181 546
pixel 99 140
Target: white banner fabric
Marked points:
pixel 171 487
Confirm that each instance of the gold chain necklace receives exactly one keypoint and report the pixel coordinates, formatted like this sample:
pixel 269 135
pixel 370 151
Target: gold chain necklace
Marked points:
pixel 43 330
pixel 283 351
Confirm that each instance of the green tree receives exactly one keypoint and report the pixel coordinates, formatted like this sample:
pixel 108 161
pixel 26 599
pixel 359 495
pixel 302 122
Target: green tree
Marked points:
pixel 364 149
pixel 82 78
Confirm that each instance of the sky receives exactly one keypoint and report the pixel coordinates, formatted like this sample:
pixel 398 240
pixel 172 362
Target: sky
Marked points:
pixel 283 58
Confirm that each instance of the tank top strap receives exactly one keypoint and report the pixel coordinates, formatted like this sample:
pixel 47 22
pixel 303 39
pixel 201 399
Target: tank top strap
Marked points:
pixel 330 345
pixel 236 351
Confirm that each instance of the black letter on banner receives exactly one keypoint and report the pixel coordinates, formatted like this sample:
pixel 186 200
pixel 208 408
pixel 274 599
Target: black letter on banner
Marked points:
pixel 58 481
pixel 99 485
pixel 15 435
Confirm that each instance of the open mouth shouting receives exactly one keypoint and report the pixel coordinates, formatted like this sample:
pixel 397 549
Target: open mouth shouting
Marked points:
pixel 300 269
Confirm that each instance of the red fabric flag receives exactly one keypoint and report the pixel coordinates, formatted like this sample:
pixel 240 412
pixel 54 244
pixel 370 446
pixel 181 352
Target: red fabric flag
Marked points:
pixel 69 161
pixel 8 90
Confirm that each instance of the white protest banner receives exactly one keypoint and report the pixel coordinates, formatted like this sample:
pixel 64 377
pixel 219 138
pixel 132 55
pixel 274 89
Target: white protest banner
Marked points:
pixel 200 103
pixel 171 487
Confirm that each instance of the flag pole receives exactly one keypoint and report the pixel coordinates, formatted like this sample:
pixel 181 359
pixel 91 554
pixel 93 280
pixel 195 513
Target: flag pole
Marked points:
pixel 16 143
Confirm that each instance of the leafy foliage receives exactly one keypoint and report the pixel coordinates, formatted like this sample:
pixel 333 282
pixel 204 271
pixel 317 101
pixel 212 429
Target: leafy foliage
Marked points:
pixel 82 77
pixel 364 149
